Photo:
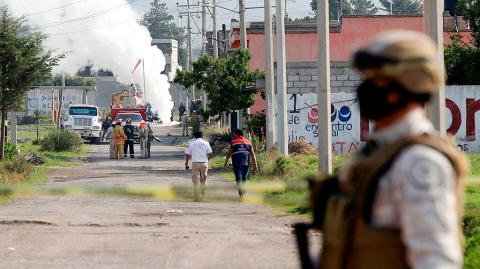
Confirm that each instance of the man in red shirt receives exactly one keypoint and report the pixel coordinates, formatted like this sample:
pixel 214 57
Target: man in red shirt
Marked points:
pixel 241 151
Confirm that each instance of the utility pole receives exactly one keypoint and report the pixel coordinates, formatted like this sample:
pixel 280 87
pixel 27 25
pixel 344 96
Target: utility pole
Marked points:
pixel 214 34
pixel 204 26
pixel 60 102
pixel 433 26
pixel 13 130
pixel 281 80
pixel 243 26
pixel 189 44
pixel 144 84
pixel 204 46
pixel 224 37
pixel 269 75
pixel 323 91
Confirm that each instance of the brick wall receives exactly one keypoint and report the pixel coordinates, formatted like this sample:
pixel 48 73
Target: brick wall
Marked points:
pixel 302 77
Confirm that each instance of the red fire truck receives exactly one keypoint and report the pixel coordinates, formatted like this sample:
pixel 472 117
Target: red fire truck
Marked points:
pixel 122 112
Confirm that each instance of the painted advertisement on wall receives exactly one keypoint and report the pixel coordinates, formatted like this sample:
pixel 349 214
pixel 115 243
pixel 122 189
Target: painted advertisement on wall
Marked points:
pixel 349 130
pixel 462 117
pixel 42 99
pixel 345 116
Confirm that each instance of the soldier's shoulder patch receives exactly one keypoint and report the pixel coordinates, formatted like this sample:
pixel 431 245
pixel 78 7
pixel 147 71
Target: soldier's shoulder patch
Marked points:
pixel 425 174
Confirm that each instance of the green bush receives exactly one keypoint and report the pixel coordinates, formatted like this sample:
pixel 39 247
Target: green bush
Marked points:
pixel 281 166
pixel 472 241
pixel 62 140
pixel 256 125
pixel 10 151
pixel 17 165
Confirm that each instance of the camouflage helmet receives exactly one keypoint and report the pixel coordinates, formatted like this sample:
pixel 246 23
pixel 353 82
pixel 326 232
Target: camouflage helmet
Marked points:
pixel 408 57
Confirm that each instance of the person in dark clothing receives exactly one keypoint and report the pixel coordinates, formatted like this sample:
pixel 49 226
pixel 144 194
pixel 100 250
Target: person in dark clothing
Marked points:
pixel 128 129
pixel 181 111
pixel 242 152
pixel 105 125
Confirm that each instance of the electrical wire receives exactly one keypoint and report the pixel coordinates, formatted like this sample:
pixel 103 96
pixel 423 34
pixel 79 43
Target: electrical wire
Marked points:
pixel 52 9
pixel 91 29
pixel 100 13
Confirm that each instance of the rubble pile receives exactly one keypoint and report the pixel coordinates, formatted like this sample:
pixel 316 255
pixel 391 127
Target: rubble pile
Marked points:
pixel 301 147
pixel 33 159
pixel 23 140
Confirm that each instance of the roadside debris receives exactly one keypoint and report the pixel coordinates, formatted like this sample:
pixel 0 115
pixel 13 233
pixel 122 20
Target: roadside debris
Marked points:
pixel 34 159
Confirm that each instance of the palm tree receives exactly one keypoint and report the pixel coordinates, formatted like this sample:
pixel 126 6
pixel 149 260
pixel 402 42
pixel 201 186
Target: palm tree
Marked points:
pixel 37 117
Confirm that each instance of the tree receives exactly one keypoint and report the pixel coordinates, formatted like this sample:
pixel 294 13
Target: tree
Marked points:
pixel 224 80
pixel 56 80
pixel 37 116
pixel 23 61
pixel 161 24
pixel 462 60
pixel 402 7
pixel 334 8
pixel 306 18
pixel 363 7
pixel 470 10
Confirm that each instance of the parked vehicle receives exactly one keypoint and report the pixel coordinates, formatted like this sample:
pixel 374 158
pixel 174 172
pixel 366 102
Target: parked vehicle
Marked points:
pixel 135 114
pixel 85 120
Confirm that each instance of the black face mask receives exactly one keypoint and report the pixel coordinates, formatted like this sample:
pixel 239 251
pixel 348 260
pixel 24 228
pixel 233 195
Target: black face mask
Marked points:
pixel 374 102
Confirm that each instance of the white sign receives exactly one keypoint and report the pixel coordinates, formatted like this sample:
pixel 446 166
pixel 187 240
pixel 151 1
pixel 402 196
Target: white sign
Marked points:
pixel 345 116
pixel 462 105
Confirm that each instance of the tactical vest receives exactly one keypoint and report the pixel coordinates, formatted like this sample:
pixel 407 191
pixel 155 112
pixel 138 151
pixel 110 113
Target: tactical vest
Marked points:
pixel 349 241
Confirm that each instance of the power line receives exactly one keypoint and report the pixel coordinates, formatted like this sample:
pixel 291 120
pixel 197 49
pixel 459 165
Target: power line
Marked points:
pixel 91 29
pixel 52 9
pixel 100 13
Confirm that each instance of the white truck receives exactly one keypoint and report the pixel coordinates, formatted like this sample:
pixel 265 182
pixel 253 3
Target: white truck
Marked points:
pixel 85 120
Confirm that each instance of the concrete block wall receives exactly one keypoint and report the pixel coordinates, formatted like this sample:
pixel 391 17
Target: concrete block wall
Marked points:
pixel 302 77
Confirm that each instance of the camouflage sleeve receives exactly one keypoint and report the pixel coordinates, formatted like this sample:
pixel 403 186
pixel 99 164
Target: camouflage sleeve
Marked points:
pixel 428 208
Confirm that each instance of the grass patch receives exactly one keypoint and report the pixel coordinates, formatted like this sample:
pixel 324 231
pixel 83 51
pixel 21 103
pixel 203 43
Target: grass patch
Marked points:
pixel 17 171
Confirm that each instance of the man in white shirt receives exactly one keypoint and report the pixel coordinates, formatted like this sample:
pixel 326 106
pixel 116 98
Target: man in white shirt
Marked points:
pixel 199 151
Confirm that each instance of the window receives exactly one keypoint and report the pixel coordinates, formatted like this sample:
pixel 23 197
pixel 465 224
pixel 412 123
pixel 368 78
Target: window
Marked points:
pixel 83 111
pixel 133 117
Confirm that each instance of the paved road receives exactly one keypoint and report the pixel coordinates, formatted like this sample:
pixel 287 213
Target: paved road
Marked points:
pixel 114 232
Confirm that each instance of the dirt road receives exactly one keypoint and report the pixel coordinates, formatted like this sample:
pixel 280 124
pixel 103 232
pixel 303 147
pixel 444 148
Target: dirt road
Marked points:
pixel 112 232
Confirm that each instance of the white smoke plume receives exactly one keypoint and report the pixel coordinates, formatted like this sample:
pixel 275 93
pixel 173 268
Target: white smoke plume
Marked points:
pixel 105 33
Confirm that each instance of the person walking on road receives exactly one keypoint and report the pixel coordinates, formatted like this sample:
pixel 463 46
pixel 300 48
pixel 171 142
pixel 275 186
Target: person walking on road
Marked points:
pixel 129 143
pixel 111 139
pixel 400 205
pixel 120 137
pixel 242 153
pixel 150 138
pixel 105 125
pixel 199 151
pixel 184 119
pixel 181 110
pixel 194 122
pixel 144 137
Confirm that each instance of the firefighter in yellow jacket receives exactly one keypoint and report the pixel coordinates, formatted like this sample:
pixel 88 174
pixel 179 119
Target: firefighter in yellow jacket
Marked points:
pixel 400 202
pixel 119 136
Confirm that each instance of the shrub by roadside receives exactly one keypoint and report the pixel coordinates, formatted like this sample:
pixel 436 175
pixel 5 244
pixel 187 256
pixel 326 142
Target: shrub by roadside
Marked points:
pixel 62 140
pixel 471 228
pixel 15 170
